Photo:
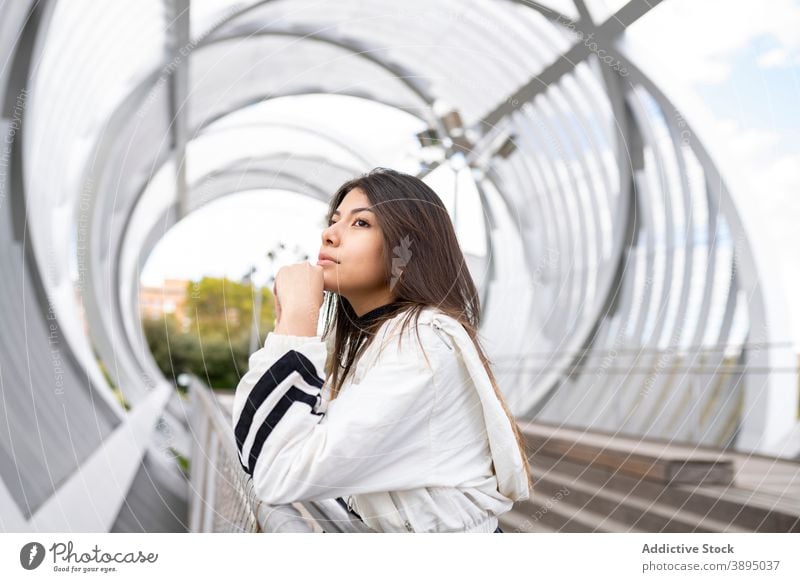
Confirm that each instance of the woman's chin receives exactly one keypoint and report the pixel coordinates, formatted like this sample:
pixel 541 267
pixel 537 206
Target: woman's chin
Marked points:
pixel 329 286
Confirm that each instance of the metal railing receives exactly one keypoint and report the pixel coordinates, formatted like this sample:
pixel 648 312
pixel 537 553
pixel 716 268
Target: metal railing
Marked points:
pixel 221 494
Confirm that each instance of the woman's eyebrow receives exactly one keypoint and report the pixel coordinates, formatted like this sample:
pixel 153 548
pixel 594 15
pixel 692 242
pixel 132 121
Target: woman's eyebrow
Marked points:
pixel 354 210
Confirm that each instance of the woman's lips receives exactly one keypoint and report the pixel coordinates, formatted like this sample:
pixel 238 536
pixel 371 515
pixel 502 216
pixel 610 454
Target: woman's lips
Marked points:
pixel 324 262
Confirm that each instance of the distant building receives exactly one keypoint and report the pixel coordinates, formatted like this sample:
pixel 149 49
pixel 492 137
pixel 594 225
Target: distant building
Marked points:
pixel 170 297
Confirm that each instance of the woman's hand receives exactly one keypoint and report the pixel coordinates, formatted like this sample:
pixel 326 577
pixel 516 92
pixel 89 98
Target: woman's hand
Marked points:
pixel 298 292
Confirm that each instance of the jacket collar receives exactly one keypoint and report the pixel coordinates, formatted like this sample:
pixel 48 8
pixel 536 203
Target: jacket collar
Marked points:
pixel 508 464
pixel 377 312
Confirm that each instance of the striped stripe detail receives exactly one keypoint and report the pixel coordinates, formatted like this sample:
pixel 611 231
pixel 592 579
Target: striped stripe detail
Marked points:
pixel 294 394
pixel 292 361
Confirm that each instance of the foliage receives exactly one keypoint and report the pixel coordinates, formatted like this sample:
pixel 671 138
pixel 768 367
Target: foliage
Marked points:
pixel 213 340
pixel 183 462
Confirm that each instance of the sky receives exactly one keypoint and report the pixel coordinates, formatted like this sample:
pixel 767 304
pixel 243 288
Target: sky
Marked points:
pixel 231 243
pixel 229 235
pixel 739 59
pixel 742 60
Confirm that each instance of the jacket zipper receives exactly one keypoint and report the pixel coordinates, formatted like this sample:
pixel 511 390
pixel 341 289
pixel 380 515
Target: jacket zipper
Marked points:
pixel 437 327
pixel 399 507
pixel 353 508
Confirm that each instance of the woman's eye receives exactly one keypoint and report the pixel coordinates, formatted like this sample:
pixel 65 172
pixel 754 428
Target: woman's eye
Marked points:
pixel 331 222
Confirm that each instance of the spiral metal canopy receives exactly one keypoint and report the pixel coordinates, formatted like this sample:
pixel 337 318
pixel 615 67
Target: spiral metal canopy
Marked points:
pixel 623 281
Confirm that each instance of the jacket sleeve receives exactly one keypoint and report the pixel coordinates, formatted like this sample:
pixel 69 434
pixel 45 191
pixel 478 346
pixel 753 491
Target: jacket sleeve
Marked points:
pixel 375 436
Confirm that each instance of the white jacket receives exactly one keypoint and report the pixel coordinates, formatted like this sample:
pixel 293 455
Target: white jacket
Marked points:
pixel 410 442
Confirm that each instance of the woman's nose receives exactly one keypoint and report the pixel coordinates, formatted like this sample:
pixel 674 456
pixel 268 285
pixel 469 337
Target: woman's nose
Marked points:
pixel 329 235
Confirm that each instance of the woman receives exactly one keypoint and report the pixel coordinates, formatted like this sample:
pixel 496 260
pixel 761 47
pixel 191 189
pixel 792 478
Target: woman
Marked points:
pixel 411 428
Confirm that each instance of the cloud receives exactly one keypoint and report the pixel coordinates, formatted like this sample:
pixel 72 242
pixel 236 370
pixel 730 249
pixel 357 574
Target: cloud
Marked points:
pixel 703 38
pixel 772 179
pixel 776 58
pixel 760 154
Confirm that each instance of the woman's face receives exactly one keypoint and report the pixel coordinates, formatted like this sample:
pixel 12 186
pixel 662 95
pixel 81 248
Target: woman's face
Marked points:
pixel 355 241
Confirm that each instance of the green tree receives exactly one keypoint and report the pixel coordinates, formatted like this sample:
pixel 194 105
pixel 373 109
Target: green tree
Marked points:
pixel 215 343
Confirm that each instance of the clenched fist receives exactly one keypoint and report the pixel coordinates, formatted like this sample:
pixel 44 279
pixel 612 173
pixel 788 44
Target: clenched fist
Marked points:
pixel 298 292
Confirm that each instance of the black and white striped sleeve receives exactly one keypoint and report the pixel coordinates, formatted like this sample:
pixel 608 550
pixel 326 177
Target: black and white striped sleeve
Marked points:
pixel 375 436
pixel 282 385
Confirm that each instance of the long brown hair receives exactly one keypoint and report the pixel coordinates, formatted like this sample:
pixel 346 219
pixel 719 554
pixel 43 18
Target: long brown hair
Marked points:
pixel 415 224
